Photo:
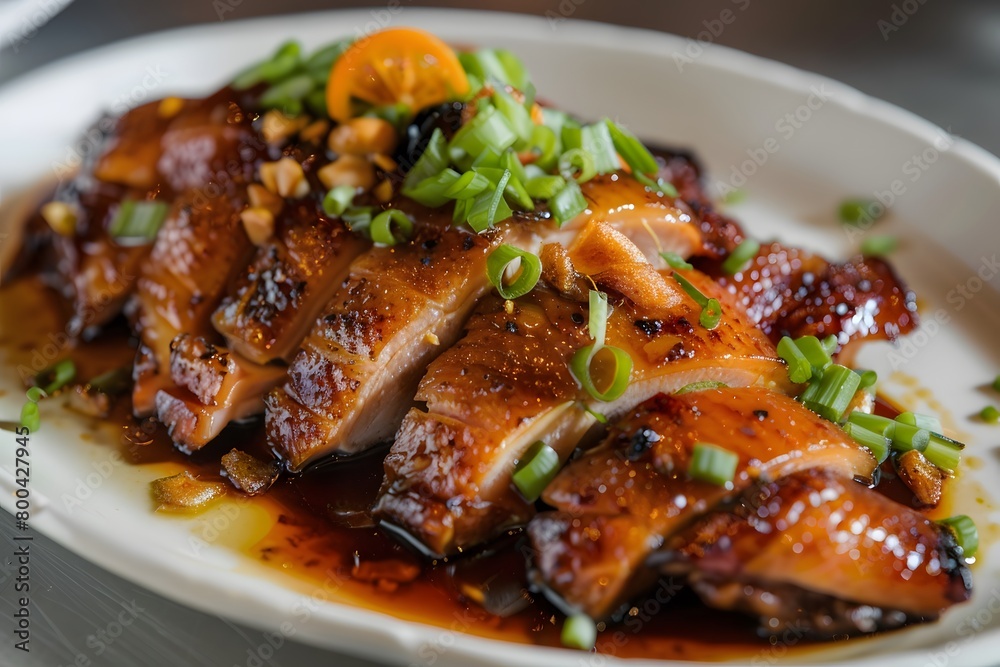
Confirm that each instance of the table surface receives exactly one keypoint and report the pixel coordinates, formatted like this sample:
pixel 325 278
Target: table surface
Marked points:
pixel 942 63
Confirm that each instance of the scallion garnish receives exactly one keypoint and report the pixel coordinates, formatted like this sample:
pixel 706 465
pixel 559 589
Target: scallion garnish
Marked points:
pixel 488 129
pixel 535 470
pixel 579 631
pixel 518 117
pixel 990 414
pixel 431 162
pixel 675 261
pixel 567 203
pixel 338 199
pixel 868 378
pixel 488 207
pixel 496 65
pixel 829 395
pixel 875 423
pixel 830 344
pixel 928 422
pixel 545 144
pixel 876 442
pixel 390 227
pixel 578 165
pixel 284 62
pixel 907 436
pixel 499 262
pixel 545 186
pixel 741 254
pixel 704 385
pixel 966 534
pixel 56 377
pixel 289 94
pixel 711 314
pixel 30 417
pixel 358 219
pixel 713 464
pixel 610 361
pixel 466 186
pixel 596 140
pixel 879 246
pixel 35 394
pixel 137 221
pixel 799 368
pixel 943 452
pixel 635 154
pixel 597 324
pixel 858 211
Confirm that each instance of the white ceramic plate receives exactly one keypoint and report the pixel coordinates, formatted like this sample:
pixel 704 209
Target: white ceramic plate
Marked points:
pixel 730 107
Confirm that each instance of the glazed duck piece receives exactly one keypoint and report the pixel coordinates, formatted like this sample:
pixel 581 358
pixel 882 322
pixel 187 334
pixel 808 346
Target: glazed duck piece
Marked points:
pixel 791 292
pixel 619 502
pixel 292 277
pixel 822 554
pixel 350 386
pixel 198 253
pixel 506 384
pixel 155 151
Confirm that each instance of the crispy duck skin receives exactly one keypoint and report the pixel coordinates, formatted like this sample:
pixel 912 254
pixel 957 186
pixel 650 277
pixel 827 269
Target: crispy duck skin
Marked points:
pixel 506 384
pixel 290 280
pixel 402 306
pixel 791 292
pixel 619 502
pixel 828 539
pixel 147 154
pixel 194 261
pixel 213 388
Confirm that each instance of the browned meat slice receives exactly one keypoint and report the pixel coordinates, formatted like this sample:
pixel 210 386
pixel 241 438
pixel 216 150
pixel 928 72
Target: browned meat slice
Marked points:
pixel 822 554
pixel 791 292
pixel 155 151
pixel 196 257
pixel 506 385
pixel 291 279
pixel 353 379
pixel 618 502
pixel 213 388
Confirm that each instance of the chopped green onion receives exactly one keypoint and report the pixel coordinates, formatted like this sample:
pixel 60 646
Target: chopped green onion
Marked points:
pixel 431 162
pixel 858 211
pixel 943 453
pixel 381 228
pixel 659 185
pixel 488 129
pixel 878 246
pixel 868 378
pixel 137 220
pixel 876 443
pixel 597 324
pixel 990 414
pixel 704 385
pixel 875 423
pixel 568 203
pixel 799 368
pixel 733 196
pixel 582 368
pixel 35 394
pixel 518 117
pixel 830 344
pixel 814 351
pixel 510 160
pixel 320 62
pixel 535 470
pixel 906 437
pixel 517 195
pixel 830 395
pixel 489 207
pixel 30 417
pixel 288 94
pixel 497 65
pixel 284 61
pixel 596 140
pixel 501 259
pixel 578 165
pixel 599 417
pixel 358 219
pixel 338 199
pixel 740 255
pixel 466 186
pixel 966 534
pixel 928 422
pixel 691 290
pixel 675 261
pixel 579 632
pixel 544 143
pixel 635 154
pixel 711 314
pixel 56 377
pixel 545 186
pixel 431 191
pixel 713 464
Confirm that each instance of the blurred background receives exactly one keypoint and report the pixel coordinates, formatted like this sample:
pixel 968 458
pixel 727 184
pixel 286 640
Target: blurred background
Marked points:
pixel 939 59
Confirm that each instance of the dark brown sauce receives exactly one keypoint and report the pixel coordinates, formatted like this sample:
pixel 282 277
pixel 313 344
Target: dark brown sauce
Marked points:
pixel 322 541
